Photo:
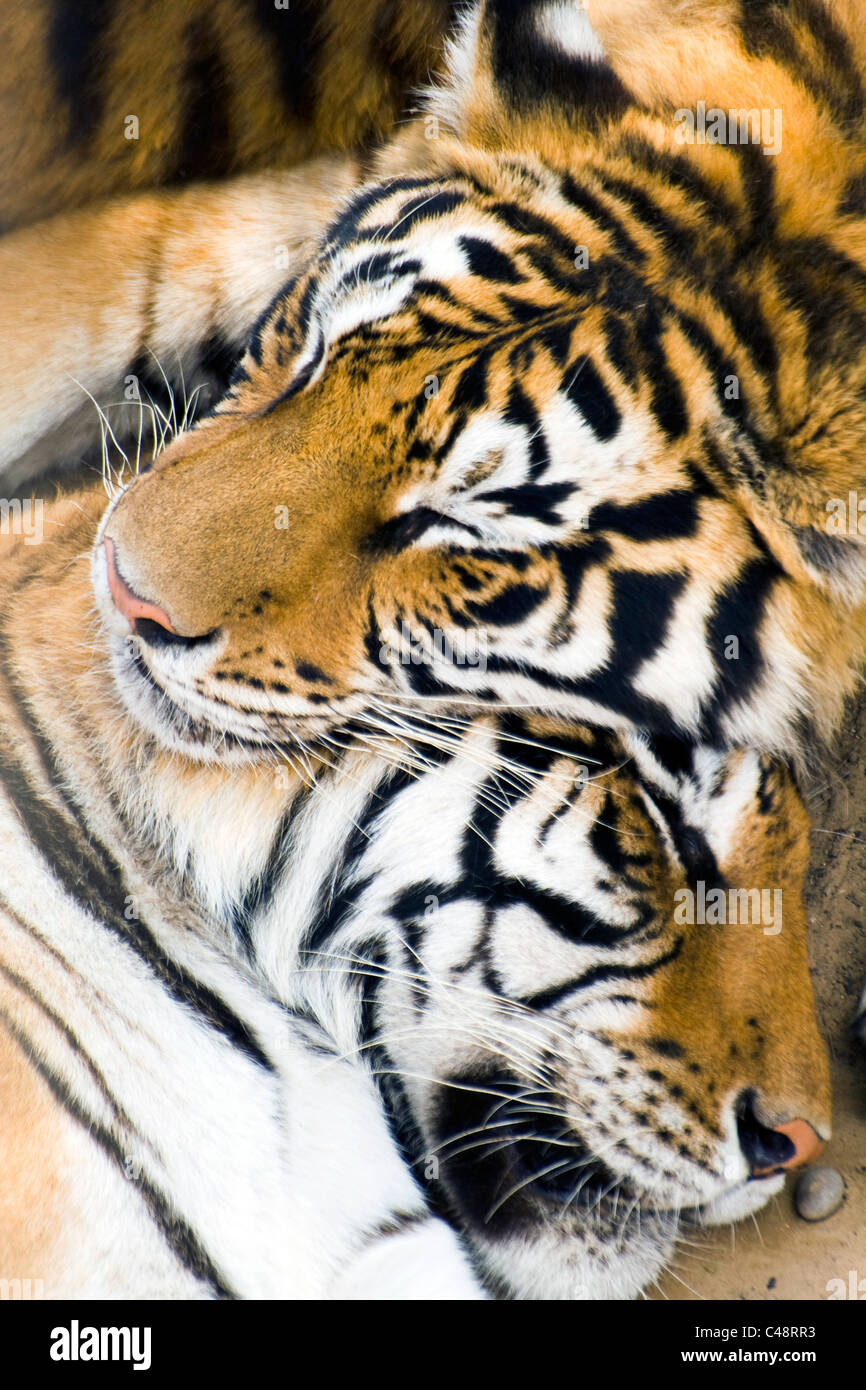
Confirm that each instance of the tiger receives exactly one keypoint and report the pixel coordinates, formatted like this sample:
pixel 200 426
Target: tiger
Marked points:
pixel 281 1027
pixel 537 369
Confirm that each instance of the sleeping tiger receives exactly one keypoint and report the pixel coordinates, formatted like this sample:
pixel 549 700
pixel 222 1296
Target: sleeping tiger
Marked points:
pixel 533 370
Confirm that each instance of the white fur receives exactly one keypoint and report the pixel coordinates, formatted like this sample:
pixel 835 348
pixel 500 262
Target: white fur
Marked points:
pixel 565 24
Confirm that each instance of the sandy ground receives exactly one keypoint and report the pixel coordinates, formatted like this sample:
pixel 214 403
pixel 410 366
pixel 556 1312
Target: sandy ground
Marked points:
pixel 780 1256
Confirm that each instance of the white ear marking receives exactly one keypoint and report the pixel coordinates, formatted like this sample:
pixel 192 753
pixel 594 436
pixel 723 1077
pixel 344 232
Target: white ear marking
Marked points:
pixel 448 99
pixel 565 24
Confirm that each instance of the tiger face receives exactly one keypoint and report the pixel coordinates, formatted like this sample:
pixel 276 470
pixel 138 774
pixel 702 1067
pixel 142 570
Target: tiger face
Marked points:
pixel 453 467
pixel 578 1058
pixel 551 419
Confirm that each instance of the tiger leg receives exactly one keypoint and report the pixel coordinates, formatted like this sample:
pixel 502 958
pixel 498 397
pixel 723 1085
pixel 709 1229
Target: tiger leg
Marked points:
pixel 158 283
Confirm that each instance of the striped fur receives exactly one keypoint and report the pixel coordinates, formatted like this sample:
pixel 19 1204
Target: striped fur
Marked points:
pixel 216 88
pixel 476 917
pixel 491 396
pixel 177 1119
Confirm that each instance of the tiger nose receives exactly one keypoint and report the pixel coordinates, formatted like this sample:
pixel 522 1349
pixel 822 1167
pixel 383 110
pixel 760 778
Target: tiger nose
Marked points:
pixel 127 601
pixel 778 1149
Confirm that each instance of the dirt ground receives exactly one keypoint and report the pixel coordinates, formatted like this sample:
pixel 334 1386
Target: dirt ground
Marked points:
pixel 778 1255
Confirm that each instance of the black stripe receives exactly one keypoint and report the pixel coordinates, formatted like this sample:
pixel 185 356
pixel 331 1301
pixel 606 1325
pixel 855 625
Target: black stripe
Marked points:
pixel 586 390
pixel 718 363
pixel 339 903
pixel 827 289
pixel 512 606
pixel 99 888
pixel 203 149
pixel 521 411
pixel 92 878
pixel 531 71
pixel 623 244
pixel 179 1236
pixel 768 31
pixel 488 261
pixel 573 562
pixel 470 388
pixel 291 38
pixel 261 890
pixel 641 608
pixel 75 45
pixel 426 206
pixel 564 916
pixel 380 265
pixel 556 338
pixel 743 311
pixel 690 842
pixel 738 611
pixel 633 336
pixel 546 998
pixel 853 200
pixel 434 289
pixel 758 177
pixel 539 501
pixel 678 239
pixel 18 982
pixel 347 226
pixel 676 170
pixel 374 641
pixel 666 516
pixel 530 224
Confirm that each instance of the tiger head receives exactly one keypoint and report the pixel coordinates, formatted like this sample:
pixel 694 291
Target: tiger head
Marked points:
pixel 581 985
pixel 551 420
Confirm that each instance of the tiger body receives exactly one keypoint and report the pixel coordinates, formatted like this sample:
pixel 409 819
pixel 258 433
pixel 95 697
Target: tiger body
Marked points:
pixel 280 799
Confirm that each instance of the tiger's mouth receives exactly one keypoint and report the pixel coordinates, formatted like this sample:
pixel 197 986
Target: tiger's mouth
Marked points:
pixel 165 684
pixel 193 722
pixel 512 1169
pixel 173 718
pixel 547 1218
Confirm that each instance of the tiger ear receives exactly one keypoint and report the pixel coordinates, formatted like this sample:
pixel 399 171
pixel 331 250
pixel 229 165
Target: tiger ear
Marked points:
pixel 791 73
pixel 516 71
pixel 834 562
pixel 816 528
pixel 784 82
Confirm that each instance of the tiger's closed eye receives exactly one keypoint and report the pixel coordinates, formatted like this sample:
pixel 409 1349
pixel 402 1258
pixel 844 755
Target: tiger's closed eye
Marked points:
pixel 400 531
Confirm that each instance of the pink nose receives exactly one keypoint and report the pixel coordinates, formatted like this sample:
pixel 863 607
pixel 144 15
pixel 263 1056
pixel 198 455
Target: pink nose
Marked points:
pixel 126 600
pixel 807 1146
